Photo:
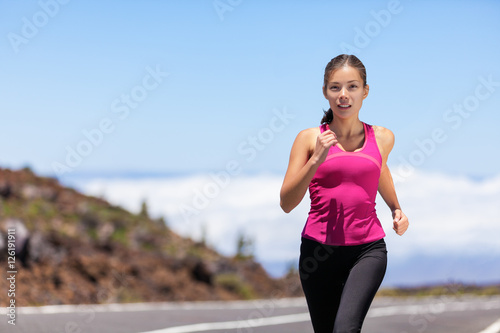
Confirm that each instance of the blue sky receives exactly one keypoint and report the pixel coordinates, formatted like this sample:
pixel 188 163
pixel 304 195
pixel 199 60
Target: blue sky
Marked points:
pixel 230 71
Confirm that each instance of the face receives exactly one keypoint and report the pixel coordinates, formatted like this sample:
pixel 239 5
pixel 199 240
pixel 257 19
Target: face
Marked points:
pixel 345 92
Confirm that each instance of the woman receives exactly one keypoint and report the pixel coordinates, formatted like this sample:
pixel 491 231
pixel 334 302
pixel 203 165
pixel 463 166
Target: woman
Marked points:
pixel 343 255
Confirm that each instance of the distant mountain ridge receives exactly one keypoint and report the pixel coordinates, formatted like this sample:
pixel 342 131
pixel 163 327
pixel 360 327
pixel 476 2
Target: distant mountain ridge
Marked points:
pixel 469 269
pixel 73 249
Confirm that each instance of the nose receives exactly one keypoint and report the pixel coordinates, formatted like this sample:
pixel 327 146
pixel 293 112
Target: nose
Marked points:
pixel 343 94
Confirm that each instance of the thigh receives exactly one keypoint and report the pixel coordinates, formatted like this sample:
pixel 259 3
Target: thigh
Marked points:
pixel 360 288
pixel 321 282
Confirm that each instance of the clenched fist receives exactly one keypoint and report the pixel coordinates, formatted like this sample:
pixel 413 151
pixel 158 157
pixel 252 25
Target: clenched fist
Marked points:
pixel 323 143
pixel 400 222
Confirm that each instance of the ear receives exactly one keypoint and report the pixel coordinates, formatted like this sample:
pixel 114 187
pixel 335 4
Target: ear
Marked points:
pixel 324 92
pixel 367 89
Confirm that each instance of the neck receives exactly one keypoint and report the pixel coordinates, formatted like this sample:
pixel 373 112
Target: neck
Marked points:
pixel 345 128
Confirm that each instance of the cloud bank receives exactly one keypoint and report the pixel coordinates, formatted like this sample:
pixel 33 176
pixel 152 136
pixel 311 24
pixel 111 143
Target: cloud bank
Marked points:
pixel 450 217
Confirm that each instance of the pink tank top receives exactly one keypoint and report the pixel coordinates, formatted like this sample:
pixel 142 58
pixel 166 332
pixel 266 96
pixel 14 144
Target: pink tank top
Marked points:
pixel 343 192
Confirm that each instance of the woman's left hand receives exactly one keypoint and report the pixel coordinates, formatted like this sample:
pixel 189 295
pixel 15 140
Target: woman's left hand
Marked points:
pixel 400 222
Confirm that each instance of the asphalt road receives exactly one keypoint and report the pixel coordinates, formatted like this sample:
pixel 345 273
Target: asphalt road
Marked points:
pixel 387 315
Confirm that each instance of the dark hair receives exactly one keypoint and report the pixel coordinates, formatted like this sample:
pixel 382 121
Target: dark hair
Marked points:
pixel 334 64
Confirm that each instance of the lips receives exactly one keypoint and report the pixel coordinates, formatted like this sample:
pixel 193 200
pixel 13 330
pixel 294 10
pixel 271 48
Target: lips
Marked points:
pixel 344 106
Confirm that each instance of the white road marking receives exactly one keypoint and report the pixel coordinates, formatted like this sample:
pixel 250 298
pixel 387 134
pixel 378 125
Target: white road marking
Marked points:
pixel 433 308
pixel 257 322
pixel 493 328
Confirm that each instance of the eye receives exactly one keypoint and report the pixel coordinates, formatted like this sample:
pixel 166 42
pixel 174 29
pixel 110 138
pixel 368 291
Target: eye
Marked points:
pixel 353 86
pixel 334 88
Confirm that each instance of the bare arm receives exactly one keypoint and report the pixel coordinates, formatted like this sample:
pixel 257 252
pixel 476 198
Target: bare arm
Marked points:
pixel 385 140
pixel 305 158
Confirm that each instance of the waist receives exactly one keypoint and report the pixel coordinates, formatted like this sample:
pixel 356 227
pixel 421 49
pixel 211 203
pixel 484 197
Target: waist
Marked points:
pixel 375 243
pixel 343 227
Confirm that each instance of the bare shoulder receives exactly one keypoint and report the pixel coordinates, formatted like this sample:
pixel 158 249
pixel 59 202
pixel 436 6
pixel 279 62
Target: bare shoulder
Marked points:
pixel 306 138
pixel 385 138
pixel 309 133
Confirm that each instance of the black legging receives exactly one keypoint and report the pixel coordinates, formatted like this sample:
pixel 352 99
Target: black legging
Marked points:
pixel 340 282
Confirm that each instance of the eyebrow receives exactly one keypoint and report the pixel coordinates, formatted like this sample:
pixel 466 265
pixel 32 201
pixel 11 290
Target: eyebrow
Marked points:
pixel 347 81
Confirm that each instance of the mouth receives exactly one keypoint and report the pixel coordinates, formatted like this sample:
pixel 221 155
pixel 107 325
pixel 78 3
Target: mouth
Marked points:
pixel 344 106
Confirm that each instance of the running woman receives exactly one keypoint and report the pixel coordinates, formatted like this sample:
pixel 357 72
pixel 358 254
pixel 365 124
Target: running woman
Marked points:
pixel 343 256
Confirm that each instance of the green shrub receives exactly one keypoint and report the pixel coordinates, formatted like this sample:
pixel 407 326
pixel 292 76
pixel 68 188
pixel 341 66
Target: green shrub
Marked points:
pixel 120 236
pixel 233 283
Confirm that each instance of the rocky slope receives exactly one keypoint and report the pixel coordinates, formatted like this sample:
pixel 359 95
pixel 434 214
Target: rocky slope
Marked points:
pixel 74 249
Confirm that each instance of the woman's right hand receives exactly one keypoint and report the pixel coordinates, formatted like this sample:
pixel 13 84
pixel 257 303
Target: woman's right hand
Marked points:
pixel 323 143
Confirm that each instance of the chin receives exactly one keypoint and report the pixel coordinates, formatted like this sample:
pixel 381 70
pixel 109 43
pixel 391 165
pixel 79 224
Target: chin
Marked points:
pixel 345 115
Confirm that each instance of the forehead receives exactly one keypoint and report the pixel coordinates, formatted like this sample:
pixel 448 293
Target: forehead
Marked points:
pixel 345 74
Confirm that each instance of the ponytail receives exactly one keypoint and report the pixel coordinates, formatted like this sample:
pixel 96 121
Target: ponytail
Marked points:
pixel 328 117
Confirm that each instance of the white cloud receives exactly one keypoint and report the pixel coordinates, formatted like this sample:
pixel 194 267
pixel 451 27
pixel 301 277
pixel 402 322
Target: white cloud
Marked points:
pixel 448 215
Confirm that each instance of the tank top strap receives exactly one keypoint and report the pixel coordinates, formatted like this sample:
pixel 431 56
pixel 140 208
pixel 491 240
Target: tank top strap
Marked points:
pixel 370 134
pixel 323 127
pixel 369 131
pixel 371 146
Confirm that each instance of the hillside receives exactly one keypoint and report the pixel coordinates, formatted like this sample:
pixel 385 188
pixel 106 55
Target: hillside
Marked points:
pixel 74 249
